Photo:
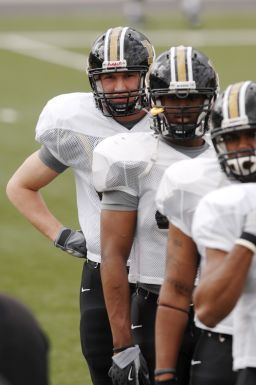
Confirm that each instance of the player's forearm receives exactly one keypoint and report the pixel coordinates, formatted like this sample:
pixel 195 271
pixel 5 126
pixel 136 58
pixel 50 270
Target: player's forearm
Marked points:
pixel 170 328
pixel 218 292
pixel 117 298
pixel 32 206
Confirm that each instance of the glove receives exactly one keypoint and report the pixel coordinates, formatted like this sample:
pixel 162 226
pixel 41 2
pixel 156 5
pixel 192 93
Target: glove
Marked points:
pixel 161 220
pixel 171 381
pixel 129 368
pixel 73 242
pixel 248 236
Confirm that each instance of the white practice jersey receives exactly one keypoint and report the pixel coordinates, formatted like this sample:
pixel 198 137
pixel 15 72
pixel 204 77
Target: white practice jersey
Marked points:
pixel 134 164
pixel 70 126
pixel 181 189
pixel 218 222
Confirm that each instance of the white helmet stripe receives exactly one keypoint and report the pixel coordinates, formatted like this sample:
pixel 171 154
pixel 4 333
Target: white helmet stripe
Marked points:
pixel 225 104
pixel 242 98
pixel 106 45
pixel 172 65
pixel 189 64
pixel 122 43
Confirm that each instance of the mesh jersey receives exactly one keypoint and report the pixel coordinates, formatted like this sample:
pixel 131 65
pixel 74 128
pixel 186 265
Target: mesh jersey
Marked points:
pixel 218 222
pixel 70 126
pixel 182 187
pixel 135 164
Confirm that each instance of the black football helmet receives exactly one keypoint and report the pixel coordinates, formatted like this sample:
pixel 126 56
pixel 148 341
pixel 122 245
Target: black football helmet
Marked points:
pixel 183 72
pixel 235 111
pixel 120 49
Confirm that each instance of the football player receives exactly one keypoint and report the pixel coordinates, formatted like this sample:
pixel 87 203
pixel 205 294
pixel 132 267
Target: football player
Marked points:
pixel 127 169
pixel 224 227
pixel 181 188
pixel 68 129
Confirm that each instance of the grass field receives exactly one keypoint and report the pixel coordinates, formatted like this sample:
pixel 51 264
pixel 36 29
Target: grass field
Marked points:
pixel 44 278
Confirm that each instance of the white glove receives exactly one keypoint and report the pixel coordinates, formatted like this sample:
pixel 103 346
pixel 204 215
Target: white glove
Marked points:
pixel 129 368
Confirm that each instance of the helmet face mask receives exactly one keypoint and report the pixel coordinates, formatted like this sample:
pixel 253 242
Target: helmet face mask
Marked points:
pixel 183 122
pixel 121 103
pixel 234 116
pixel 182 73
pixel 121 50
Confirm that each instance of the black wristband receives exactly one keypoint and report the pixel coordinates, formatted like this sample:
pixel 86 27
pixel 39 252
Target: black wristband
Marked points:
pixel 159 372
pixel 122 348
pixel 248 237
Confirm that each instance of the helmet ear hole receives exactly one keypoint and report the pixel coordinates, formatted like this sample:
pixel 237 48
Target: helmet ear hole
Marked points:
pixel 120 49
pixel 184 72
pixel 234 115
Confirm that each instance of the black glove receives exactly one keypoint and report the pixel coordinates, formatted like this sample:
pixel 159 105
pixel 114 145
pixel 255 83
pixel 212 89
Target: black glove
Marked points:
pixel 129 368
pixel 161 220
pixel 73 242
pixel 171 381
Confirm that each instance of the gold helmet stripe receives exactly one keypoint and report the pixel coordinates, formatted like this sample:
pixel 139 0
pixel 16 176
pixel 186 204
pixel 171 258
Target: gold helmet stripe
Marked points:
pixel 181 68
pixel 112 41
pixel 181 64
pixel 113 44
pixel 234 104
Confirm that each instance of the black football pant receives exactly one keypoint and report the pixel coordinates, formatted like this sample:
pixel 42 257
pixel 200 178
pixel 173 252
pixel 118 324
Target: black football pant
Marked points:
pixel 246 376
pixel 144 306
pixel 95 332
pixel 212 361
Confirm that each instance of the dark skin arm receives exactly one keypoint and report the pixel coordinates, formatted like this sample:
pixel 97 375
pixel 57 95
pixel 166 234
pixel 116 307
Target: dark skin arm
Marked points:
pixel 221 283
pixel 177 288
pixel 117 233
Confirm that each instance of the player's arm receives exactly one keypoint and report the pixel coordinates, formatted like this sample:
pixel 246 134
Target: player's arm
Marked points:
pixel 224 276
pixel 175 299
pixel 23 190
pixel 221 283
pixel 117 232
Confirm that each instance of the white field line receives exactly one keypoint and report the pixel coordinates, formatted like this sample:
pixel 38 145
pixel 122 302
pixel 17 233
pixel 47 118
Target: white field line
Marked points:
pixel 50 46
pixel 43 51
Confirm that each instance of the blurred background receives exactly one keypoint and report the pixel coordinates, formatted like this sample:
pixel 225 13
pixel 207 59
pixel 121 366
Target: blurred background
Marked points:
pixel 43 49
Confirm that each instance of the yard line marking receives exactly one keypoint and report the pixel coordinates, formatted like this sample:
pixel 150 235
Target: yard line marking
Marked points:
pixel 8 115
pixel 43 51
pixel 84 39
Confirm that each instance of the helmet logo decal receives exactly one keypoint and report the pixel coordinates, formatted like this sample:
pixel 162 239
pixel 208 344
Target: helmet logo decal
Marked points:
pixel 150 49
pixel 234 105
pixel 181 68
pixel 113 64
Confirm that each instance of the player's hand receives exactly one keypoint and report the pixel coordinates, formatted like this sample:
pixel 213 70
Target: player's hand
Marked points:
pixel 71 241
pixel 129 368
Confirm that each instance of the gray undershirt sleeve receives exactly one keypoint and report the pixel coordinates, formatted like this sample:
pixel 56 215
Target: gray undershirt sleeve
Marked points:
pixel 50 161
pixel 119 201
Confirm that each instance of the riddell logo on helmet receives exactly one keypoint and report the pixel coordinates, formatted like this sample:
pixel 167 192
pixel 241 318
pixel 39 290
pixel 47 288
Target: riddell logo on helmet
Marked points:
pixel 113 64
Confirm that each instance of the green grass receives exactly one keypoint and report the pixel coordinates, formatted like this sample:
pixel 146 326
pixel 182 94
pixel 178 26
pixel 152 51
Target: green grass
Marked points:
pixel 44 278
